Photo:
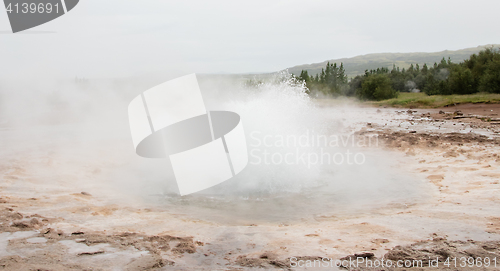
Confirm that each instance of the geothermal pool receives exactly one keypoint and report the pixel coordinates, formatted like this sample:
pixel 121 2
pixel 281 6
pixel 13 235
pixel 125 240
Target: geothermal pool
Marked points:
pixel 78 176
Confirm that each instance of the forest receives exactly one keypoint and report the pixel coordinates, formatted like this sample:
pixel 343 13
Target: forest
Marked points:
pixel 479 73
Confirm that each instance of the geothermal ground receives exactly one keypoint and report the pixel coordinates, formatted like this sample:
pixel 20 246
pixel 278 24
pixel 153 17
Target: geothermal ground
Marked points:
pixel 60 211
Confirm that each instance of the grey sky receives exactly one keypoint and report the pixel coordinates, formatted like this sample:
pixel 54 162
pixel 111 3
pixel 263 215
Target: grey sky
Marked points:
pixel 118 38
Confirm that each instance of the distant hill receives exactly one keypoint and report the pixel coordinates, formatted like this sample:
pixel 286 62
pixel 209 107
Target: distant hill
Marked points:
pixel 358 64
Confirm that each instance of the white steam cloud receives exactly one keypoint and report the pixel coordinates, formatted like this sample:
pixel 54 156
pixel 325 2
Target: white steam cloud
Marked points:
pixel 72 136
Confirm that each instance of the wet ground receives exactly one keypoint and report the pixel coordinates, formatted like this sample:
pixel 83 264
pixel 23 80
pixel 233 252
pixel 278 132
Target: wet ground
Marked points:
pixel 429 189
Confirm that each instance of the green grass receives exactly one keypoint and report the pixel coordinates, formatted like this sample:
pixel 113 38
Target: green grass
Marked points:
pixel 422 100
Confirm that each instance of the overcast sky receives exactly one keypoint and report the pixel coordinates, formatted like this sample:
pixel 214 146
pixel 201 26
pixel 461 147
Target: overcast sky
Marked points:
pixel 120 38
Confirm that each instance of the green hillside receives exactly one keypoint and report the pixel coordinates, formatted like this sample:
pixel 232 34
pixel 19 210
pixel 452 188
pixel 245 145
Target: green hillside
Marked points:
pixel 358 65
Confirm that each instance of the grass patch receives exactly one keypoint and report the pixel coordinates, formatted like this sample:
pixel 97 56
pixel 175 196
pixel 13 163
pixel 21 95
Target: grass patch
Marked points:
pixel 422 100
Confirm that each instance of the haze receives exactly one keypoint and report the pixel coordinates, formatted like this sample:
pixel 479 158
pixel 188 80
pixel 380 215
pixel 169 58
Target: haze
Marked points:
pixel 102 39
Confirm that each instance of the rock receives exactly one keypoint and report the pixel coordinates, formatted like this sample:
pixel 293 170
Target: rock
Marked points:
pixel 90 253
pixel 364 255
pixel 441 112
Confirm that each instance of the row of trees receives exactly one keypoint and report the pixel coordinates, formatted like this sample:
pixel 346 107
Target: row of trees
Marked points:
pixel 479 73
pixel 331 80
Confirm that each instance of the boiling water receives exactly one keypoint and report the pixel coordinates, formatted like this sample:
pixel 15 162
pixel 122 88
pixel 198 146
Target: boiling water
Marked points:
pixel 300 166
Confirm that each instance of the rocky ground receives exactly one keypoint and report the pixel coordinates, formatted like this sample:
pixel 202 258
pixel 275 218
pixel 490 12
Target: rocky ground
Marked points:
pixel 65 224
